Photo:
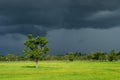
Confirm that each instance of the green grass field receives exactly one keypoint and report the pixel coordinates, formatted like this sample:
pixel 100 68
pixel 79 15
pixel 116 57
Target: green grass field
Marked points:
pixel 56 70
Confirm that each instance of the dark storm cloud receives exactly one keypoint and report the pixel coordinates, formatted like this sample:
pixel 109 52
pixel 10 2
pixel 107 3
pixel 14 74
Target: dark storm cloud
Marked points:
pixel 23 29
pixel 39 16
pixel 11 43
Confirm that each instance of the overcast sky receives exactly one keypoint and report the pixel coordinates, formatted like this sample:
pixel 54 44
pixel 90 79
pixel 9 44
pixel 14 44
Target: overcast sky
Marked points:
pixel 69 25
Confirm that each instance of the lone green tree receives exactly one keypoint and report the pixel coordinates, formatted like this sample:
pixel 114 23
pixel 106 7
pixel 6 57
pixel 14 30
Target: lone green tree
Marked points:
pixel 35 47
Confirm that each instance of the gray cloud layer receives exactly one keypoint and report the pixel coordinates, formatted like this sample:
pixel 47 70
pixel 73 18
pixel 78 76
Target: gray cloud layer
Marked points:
pixel 39 16
pixel 21 17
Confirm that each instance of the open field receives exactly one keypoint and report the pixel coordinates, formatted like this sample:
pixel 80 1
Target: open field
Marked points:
pixel 56 70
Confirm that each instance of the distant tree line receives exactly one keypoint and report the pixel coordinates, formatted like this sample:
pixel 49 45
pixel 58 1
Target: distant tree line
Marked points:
pixel 12 57
pixel 70 56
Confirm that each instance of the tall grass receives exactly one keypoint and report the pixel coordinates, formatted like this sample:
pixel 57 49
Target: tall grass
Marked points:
pixel 58 70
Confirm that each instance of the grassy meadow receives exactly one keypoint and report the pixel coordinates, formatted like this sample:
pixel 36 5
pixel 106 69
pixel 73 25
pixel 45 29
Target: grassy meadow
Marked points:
pixel 60 70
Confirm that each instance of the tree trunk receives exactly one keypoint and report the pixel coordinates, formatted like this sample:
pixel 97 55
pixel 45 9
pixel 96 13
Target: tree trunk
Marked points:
pixel 36 63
